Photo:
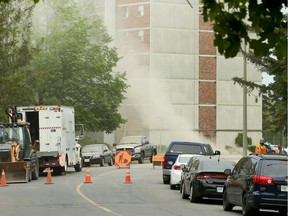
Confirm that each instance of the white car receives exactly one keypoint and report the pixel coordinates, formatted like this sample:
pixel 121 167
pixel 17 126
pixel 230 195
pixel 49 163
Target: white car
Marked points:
pixel 176 170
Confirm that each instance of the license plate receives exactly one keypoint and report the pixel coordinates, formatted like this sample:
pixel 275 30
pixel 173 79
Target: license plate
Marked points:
pixel 219 189
pixel 284 188
pixel 86 160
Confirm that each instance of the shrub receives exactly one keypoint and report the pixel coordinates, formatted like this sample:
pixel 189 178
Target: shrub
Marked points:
pixel 239 140
pixel 251 148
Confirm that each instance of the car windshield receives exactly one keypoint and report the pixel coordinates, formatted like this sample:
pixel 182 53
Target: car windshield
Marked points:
pixel 87 149
pixel 217 165
pixel 274 168
pixel 188 149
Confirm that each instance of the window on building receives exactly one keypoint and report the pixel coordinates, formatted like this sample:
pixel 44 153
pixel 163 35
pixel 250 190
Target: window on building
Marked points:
pixel 140 11
pixel 125 36
pixel 125 12
pixel 140 35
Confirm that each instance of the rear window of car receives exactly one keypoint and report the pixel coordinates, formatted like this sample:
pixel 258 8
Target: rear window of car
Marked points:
pixel 274 168
pixel 217 165
pixel 187 149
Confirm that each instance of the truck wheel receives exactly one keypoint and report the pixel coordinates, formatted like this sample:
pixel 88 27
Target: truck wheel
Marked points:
pixel 34 166
pixel 78 167
pixel 141 159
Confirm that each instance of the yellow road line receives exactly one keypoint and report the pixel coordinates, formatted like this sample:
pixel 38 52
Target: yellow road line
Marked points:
pixel 78 189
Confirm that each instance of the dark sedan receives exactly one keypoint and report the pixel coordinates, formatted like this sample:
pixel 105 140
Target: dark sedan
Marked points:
pixel 204 177
pixel 97 154
pixel 257 182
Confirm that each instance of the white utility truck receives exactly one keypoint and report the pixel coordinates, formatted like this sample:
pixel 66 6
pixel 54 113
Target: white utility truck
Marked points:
pixel 52 131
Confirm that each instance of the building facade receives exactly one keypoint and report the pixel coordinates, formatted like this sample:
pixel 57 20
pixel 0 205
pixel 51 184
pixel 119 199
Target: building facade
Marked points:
pixel 181 88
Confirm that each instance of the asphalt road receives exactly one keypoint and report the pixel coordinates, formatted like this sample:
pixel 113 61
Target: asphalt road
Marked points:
pixel 108 194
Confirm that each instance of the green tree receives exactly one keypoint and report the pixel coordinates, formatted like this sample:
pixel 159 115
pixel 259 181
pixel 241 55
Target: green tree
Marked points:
pixel 266 20
pixel 262 25
pixel 16 51
pixel 76 68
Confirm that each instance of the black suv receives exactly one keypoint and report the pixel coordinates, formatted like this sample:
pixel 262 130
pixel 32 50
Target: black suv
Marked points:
pixel 181 147
pixel 257 182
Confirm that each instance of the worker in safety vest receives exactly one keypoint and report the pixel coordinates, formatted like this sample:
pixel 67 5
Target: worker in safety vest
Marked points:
pixel 261 148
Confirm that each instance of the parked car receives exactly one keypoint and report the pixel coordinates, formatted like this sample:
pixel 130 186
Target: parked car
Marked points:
pixel 176 169
pixel 257 182
pixel 181 147
pixel 97 154
pixel 204 177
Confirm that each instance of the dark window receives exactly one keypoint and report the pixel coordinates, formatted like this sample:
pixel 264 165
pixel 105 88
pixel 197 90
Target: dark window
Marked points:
pixel 216 165
pixel 187 149
pixel 274 168
pixel 238 167
pixel 208 149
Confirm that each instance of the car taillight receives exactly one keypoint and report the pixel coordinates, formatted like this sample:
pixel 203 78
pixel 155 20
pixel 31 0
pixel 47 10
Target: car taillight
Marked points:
pixel 164 161
pixel 176 167
pixel 263 180
pixel 211 175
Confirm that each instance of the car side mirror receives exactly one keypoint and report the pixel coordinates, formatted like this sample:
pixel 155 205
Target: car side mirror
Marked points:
pixel 182 166
pixel 217 152
pixel 227 171
pixel 185 169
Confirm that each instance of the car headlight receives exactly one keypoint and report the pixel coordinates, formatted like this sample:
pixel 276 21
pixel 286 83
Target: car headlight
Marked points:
pixel 137 150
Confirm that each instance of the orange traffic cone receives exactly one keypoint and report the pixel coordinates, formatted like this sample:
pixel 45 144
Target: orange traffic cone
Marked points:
pixel 49 177
pixel 128 178
pixel 3 179
pixel 88 177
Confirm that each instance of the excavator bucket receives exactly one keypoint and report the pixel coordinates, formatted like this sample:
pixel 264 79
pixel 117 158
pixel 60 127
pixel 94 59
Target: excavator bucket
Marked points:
pixel 15 172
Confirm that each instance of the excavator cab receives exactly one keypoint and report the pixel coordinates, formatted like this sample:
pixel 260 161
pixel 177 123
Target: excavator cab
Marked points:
pixel 15 150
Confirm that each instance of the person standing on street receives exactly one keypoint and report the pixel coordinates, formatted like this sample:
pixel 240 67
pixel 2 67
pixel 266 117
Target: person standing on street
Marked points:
pixel 261 148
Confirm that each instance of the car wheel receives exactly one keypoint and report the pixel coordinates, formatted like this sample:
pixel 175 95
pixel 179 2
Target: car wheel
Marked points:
pixel 192 197
pixel 141 159
pixel 246 210
pixel 102 162
pixel 166 181
pixel 111 162
pixel 226 205
pixel 172 187
pixel 184 195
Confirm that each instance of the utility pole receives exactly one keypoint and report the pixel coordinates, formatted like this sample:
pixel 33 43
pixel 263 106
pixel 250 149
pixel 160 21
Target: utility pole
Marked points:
pixel 244 102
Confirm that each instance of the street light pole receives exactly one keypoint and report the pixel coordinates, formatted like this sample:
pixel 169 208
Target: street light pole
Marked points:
pixel 244 102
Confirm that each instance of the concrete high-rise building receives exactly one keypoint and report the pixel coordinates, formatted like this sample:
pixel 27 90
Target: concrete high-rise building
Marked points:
pixel 180 86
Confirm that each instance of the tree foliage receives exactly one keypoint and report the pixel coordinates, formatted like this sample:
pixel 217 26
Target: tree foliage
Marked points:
pixel 262 25
pixel 16 51
pixel 233 21
pixel 75 68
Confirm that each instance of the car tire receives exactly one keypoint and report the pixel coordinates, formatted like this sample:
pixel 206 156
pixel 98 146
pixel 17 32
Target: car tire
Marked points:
pixel 166 181
pixel 111 162
pixel 246 210
pixel 184 195
pixel 193 198
pixel 102 162
pixel 141 159
pixel 226 205
pixel 172 187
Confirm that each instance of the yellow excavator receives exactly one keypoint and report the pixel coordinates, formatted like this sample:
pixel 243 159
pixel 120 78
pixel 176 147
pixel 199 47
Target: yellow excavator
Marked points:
pixel 18 157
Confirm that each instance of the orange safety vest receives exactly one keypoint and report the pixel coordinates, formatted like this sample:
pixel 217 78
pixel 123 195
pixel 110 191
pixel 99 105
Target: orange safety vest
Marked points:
pixel 260 149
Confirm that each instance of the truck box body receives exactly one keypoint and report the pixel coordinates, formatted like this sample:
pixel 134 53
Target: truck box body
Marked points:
pixel 54 127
